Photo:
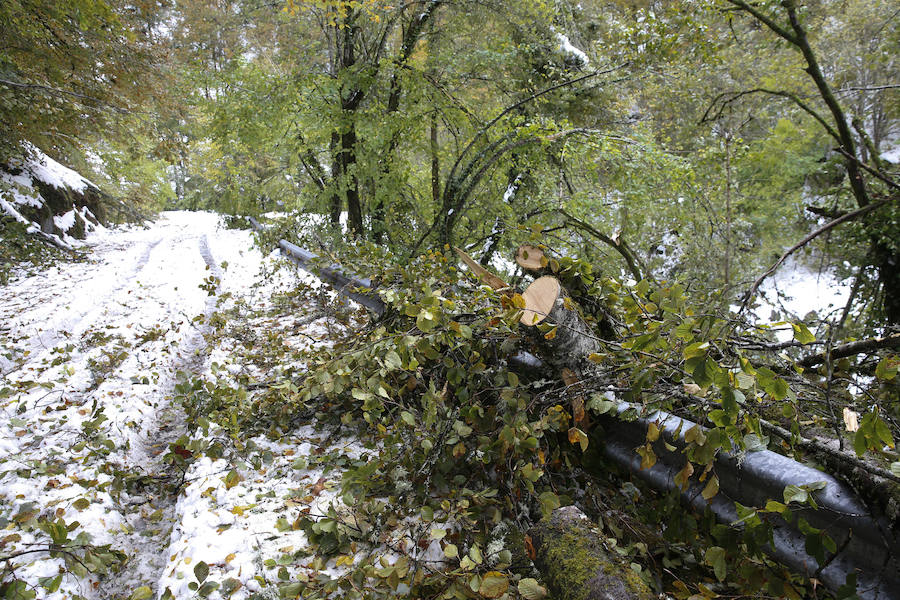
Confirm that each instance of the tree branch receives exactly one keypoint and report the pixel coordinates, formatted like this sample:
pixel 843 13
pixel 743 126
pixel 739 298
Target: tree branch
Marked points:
pixel 826 227
pixel 619 247
pixel 852 349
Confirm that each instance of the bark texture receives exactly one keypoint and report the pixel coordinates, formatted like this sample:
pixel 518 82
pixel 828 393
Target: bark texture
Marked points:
pixel 573 339
pixel 569 553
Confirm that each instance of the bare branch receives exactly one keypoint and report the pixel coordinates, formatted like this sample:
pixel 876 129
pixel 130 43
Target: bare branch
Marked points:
pixel 852 349
pixel 826 227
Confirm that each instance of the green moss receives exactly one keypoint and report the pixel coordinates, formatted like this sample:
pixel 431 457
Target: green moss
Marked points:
pixel 577 567
pixel 573 564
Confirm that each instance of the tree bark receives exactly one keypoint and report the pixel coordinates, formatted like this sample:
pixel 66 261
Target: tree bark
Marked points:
pixel 572 340
pixel 570 555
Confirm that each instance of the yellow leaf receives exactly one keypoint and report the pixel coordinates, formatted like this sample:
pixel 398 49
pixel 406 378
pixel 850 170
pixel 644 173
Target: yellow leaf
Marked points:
pixel 711 489
pixel 577 436
pixel 493 585
pixel 684 475
pixel 652 432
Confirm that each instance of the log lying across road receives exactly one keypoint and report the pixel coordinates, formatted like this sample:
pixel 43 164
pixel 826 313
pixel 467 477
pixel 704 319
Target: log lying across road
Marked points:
pixel 867 545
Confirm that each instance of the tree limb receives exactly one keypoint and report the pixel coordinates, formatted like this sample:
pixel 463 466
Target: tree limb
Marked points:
pixel 815 447
pixel 826 227
pixel 851 349
pixel 619 247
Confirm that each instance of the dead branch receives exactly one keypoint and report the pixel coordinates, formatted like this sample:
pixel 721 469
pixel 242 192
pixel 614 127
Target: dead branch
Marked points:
pixel 851 349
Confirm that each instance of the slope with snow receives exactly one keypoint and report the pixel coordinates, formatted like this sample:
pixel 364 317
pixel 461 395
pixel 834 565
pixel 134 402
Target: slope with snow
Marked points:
pixel 48 197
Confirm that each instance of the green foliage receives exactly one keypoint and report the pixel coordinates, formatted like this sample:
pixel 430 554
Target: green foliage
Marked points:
pixel 466 445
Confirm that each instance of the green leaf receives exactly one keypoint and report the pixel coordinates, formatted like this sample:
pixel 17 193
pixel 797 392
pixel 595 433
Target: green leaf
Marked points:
pixel 887 368
pixel 141 593
pixel 51 584
pixel 715 557
pixel 451 551
pixel 392 360
pixel 230 586
pixel 208 588
pixel 895 468
pixel 753 443
pixel 743 380
pixel 792 493
pixel 530 589
pixel 883 433
pixel 81 504
pixel 290 590
pixel 549 502
pixel 600 405
pixel 232 479
pixel 802 333
pixel 359 394
pixel 201 571
pixel 408 418
pixel 779 389
pixel 696 349
pixel 711 489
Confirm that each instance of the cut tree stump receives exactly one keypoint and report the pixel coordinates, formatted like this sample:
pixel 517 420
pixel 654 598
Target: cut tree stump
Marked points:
pixel 571 340
pixel 570 554
pixel 529 257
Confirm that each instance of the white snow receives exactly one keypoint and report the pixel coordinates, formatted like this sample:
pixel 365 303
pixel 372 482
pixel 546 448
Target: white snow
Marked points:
pixel 90 354
pixel 795 291
pixel 566 46
pixel 892 155
pixel 65 221
pixel 47 170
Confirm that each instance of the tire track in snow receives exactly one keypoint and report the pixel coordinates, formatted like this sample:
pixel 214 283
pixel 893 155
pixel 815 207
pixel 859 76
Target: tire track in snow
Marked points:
pixel 69 326
pixel 148 542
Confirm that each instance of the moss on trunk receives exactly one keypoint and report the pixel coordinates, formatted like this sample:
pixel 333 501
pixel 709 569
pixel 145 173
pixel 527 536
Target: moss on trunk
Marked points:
pixel 575 565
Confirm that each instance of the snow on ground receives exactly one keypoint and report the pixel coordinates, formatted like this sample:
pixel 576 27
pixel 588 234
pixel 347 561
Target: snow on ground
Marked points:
pixel 90 357
pixel 794 291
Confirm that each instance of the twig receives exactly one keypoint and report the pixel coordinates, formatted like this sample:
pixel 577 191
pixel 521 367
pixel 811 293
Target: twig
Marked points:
pixel 826 227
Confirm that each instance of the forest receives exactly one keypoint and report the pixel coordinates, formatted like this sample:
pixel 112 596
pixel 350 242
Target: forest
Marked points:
pixel 670 169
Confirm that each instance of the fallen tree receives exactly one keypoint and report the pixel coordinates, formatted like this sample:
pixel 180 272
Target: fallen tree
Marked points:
pixel 663 357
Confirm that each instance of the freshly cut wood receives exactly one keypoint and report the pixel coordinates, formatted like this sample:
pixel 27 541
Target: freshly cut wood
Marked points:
pixel 571 340
pixel 540 297
pixel 529 257
pixel 480 272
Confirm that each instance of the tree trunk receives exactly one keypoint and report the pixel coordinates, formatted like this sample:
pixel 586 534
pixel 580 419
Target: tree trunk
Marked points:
pixel 570 556
pixel 335 200
pixel 572 340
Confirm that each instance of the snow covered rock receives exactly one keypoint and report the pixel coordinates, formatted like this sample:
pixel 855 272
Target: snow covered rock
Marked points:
pixel 48 197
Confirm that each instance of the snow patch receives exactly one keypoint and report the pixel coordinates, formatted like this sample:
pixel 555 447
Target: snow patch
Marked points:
pixel 48 171
pixel 566 46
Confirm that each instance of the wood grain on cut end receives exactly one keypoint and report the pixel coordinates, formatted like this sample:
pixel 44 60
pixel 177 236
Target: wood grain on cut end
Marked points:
pixel 529 257
pixel 539 297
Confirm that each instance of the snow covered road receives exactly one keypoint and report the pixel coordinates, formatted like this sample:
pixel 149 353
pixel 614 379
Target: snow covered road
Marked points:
pixel 90 354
